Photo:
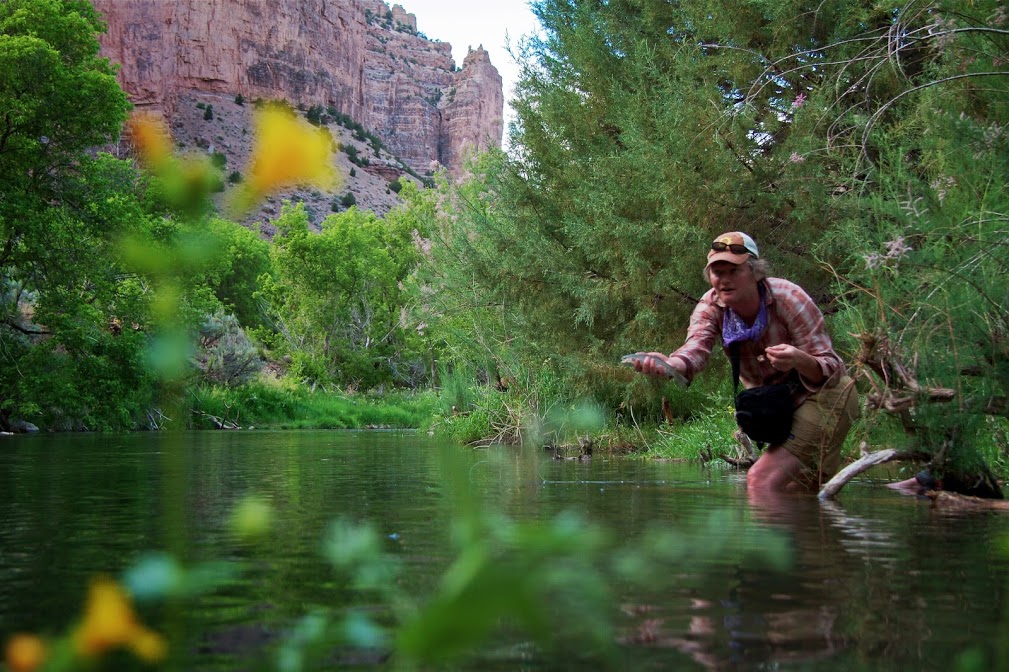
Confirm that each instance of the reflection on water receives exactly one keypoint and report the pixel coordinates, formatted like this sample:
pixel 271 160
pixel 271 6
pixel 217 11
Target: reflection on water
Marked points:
pixel 876 580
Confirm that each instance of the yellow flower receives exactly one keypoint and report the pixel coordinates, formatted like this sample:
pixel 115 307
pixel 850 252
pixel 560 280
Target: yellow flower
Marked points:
pixel 186 181
pixel 24 653
pixel 109 622
pixel 151 139
pixel 289 151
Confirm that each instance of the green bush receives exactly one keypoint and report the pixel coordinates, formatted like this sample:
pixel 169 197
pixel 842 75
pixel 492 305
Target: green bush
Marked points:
pixel 88 380
pixel 315 115
pixel 208 113
pixel 227 356
pixel 465 427
pixel 241 257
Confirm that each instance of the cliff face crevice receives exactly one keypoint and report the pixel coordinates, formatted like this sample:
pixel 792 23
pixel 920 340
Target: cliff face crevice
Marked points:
pixel 361 57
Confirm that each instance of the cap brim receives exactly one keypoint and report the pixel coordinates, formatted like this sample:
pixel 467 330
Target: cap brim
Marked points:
pixel 728 256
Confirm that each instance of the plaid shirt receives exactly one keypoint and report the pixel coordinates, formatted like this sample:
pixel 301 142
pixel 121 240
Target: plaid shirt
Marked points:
pixel 792 318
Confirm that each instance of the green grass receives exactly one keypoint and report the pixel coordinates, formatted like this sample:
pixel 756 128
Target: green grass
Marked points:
pixel 688 440
pixel 281 406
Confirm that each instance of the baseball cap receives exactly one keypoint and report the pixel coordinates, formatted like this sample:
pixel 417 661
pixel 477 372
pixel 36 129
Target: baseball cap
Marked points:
pixel 734 246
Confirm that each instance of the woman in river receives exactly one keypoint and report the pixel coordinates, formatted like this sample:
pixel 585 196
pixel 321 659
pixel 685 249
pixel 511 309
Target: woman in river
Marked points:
pixel 781 336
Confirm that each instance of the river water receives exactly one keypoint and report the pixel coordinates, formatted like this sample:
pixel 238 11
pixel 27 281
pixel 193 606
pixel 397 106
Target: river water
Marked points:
pixel 873 581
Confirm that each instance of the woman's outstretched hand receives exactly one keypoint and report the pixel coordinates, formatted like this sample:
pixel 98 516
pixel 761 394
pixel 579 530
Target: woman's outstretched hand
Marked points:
pixel 657 364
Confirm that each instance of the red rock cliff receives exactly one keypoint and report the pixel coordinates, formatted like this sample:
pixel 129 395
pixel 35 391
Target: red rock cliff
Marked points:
pixel 360 56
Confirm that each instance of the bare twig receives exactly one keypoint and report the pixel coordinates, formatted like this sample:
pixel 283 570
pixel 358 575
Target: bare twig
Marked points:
pixel 746 454
pixel 900 389
pixel 219 423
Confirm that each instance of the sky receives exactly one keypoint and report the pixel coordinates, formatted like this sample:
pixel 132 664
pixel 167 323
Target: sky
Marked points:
pixel 465 23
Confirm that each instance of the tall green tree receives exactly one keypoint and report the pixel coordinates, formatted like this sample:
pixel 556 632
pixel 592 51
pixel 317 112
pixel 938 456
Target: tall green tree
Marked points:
pixel 916 138
pixel 62 211
pixel 861 143
pixel 638 139
pixel 58 100
pixel 895 137
pixel 241 258
pixel 334 300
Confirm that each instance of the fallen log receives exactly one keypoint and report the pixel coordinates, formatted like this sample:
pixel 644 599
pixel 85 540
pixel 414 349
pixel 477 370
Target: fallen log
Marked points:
pixel 864 463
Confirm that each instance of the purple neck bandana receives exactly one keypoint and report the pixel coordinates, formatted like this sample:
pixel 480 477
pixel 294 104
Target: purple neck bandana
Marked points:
pixel 735 329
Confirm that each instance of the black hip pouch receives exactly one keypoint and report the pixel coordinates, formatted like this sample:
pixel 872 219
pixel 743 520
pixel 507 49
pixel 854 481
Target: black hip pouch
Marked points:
pixel 764 413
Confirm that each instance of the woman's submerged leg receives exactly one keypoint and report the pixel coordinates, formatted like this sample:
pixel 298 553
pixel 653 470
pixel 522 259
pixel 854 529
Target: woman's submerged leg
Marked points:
pixel 776 470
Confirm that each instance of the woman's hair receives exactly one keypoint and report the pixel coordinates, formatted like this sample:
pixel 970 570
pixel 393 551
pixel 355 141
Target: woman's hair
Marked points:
pixel 760 267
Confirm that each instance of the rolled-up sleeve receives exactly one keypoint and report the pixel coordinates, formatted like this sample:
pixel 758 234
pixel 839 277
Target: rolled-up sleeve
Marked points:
pixel 807 330
pixel 703 332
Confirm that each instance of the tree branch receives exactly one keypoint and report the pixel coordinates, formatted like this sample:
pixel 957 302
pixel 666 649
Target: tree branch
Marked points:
pixel 27 332
pixel 871 123
pixel 866 462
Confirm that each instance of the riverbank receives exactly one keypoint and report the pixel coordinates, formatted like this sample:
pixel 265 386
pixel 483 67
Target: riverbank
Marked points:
pixel 484 416
pixel 279 406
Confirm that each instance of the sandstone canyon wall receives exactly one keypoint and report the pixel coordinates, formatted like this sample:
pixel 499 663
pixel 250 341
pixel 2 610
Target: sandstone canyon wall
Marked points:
pixel 361 57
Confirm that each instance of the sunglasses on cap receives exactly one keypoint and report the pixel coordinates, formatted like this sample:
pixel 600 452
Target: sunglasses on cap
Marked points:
pixel 719 246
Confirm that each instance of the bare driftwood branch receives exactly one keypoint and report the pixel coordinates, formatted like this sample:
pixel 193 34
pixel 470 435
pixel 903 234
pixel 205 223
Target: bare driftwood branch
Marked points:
pixel 900 389
pixel 747 444
pixel 746 454
pixel 866 462
pixel 738 462
pixel 218 423
pixel 888 401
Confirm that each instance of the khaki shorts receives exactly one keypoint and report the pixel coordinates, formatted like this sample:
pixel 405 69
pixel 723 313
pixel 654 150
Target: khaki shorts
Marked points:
pixel 818 430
